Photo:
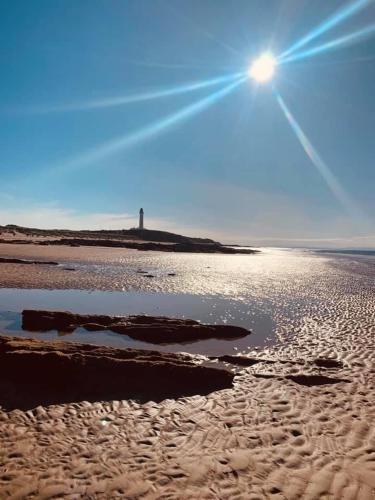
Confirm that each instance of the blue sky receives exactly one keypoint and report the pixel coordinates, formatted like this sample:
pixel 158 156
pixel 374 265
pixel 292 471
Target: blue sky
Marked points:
pixel 235 170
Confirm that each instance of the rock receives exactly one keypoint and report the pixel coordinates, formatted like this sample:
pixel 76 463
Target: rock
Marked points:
pixel 139 239
pixel 189 247
pixel 313 380
pixel 59 320
pixel 154 329
pixel 328 363
pixel 34 372
pixel 26 261
pixel 243 360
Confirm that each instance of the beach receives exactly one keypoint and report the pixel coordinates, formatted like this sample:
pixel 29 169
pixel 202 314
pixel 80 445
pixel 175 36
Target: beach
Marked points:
pixel 187 250
pixel 297 422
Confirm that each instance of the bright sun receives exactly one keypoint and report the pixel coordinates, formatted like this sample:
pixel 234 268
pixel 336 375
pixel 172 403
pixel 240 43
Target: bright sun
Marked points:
pixel 262 69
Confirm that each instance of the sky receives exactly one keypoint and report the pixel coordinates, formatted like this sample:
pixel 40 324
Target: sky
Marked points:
pixel 107 106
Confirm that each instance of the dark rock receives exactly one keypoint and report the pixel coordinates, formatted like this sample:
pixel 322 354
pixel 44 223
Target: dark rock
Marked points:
pixel 328 363
pixel 246 361
pixel 43 321
pixel 238 360
pixel 151 245
pixel 26 261
pixel 243 360
pixel 16 242
pixel 34 372
pixel 312 380
pixel 306 380
pixel 154 329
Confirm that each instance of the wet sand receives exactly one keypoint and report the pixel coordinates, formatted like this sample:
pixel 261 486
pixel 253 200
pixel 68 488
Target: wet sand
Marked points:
pixel 270 436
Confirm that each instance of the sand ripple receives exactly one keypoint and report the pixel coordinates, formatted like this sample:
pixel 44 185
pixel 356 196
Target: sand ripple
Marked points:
pixel 268 437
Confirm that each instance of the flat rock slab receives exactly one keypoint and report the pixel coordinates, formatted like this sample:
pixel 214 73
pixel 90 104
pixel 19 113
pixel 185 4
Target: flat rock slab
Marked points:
pixel 4 260
pixel 154 329
pixel 306 380
pixel 328 363
pixel 313 380
pixel 34 372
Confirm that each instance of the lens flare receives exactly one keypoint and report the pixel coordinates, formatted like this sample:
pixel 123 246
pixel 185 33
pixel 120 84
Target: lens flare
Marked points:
pixel 333 183
pixel 130 99
pixel 128 140
pixel 263 68
pixel 330 23
pixel 343 41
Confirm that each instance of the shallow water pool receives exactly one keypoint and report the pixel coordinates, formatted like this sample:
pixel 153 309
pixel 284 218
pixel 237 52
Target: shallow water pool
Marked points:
pixel 207 309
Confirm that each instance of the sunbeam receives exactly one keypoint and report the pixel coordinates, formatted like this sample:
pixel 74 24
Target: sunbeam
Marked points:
pixel 134 138
pixel 330 23
pixel 339 43
pixel 146 96
pixel 332 182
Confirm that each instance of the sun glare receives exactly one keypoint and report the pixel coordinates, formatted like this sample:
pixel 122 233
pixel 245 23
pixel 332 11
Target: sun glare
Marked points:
pixel 262 69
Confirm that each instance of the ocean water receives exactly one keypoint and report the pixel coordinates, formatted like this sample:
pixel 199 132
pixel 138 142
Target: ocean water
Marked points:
pixel 366 253
pixel 275 294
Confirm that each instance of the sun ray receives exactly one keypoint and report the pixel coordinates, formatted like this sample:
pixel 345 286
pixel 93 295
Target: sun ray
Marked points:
pixel 339 43
pixel 146 96
pixel 330 179
pixel 120 143
pixel 337 18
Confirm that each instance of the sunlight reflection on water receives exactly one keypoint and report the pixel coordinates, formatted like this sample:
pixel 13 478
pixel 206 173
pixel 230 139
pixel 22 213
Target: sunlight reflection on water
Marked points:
pixel 207 309
pixel 268 293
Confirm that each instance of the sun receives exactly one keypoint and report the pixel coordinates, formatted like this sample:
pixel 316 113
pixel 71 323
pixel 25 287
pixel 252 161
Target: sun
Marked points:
pixel 263 68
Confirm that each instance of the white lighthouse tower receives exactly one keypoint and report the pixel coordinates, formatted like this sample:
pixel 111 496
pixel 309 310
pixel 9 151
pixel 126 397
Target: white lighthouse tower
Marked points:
pixel 141 219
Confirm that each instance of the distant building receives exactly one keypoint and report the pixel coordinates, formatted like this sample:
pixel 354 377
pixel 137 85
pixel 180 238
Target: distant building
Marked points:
pixel 141 219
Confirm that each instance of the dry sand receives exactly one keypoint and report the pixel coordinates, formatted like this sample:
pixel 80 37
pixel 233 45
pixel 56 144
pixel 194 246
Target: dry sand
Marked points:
pixel 268 437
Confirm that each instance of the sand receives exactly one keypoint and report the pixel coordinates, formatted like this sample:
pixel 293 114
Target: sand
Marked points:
pixel 267 437
pixel 62 276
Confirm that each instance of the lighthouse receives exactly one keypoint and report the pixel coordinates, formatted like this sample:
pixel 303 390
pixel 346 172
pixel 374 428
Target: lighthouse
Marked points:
pixel 140 219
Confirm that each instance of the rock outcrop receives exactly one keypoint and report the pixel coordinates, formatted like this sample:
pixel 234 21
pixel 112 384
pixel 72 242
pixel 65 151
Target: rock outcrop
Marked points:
pixel 154 329
pixel 138 239
pixel 189 247
pixel 34 372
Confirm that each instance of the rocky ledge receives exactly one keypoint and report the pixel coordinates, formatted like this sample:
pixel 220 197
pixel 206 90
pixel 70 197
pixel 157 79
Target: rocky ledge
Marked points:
pixel 4 260
pixel 34 372
pixel 151 245
pixel 154 329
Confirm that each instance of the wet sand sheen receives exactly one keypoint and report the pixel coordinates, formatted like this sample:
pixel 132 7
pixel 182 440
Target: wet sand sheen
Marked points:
pixel 268 437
